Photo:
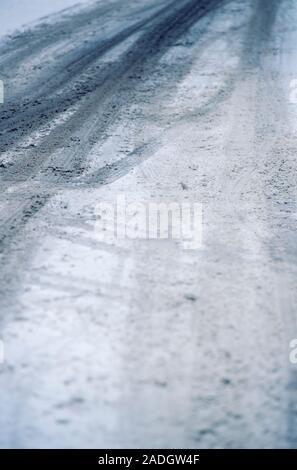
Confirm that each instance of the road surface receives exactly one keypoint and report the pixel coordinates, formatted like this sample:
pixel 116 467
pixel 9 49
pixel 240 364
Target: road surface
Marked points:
pixel 130 342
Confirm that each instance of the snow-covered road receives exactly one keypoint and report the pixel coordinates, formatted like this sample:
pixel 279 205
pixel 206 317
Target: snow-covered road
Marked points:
pixel 126 342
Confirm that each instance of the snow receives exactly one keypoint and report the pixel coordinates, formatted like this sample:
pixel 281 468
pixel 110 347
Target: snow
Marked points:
pixel 140 343
pixel 15 14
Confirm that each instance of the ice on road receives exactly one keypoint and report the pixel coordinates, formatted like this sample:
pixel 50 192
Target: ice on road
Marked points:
pixel 130 342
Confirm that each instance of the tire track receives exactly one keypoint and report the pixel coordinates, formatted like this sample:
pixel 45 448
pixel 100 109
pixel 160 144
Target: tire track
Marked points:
pixel 57 162
pixel 147 50
pixel 63 88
